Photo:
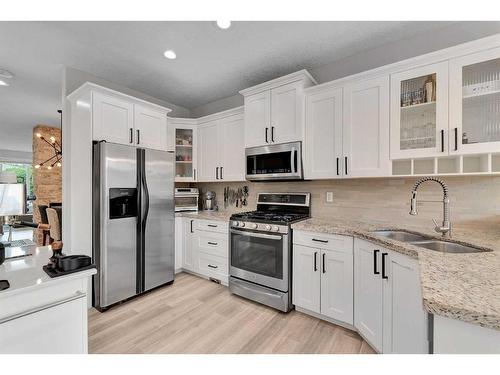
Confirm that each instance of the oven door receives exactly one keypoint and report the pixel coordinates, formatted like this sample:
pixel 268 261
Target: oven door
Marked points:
pixel 261 258
pixel 274 162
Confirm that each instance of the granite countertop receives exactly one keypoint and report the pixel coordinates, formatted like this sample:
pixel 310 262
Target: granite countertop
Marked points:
pixel 207 215
pixel 26 273
pixel 457 286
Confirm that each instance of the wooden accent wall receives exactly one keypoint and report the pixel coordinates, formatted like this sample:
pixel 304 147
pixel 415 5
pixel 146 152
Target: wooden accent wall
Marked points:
pixel 47 183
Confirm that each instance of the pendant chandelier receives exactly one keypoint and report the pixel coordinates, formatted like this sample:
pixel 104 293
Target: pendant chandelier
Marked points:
pixel 56 159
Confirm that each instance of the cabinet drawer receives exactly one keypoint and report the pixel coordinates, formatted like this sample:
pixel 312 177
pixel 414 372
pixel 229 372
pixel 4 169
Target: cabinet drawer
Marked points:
pixel 59 329
pixel 212 225
pixel 212 243
pixel 213 266
pixel 42 296
pixel 323 241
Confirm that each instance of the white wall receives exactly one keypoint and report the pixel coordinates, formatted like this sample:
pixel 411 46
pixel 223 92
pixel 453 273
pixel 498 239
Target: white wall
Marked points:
pixel 390 53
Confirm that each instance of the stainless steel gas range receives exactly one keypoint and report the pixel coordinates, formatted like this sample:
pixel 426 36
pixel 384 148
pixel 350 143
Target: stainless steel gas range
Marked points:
pixel 261 248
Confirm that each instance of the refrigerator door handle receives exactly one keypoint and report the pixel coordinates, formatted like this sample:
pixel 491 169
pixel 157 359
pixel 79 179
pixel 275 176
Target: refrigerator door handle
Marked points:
pixel 146 200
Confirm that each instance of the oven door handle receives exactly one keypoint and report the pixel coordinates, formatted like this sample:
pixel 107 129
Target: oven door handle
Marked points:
pixel 259 235
pixel 292 160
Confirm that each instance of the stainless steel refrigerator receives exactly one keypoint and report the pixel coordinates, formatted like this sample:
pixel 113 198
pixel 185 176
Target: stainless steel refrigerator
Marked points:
pixel 133 221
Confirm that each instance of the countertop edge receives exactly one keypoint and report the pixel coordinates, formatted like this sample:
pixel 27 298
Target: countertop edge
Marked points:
pixel 73 276
pixel 431 306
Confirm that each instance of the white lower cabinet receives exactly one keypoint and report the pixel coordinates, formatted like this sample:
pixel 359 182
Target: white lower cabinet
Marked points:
pixel 189 251
pixel 368 293
pixel 179 237
pixel 323 275
pixel 388 309
pixel 49 318
pixel 306 292
pixel 205 249
pixel 56 330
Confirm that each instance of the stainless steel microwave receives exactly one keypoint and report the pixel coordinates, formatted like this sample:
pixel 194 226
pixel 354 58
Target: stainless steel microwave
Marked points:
pixel 274 162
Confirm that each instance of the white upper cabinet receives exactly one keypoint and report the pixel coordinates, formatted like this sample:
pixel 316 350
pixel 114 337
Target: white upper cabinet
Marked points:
pixel 221 150
pixel 365 132
pixel 257 119
pixel 119 118
pixel 323 135
pixel 286 113
pixel 112 119
pixel 419 112
pixel 150 128
pixel 208 161
pixel 232 148
pixel 347 130
pixel 475 103
pixel 274 110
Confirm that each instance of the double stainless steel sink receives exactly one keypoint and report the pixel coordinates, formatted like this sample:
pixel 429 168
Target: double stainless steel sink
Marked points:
pixel 427 242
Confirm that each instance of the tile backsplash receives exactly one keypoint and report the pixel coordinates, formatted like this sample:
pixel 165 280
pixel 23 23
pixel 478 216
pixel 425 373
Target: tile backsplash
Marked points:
pixel 473 198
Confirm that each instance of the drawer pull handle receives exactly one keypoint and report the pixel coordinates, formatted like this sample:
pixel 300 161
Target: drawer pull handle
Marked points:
pixel 212 243
pixel 212 225
pixel 77 295
pixel 212 266
pixel 322 241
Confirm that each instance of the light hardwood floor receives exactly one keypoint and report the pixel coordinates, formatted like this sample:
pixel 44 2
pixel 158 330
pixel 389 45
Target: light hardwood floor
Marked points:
pixel 197 316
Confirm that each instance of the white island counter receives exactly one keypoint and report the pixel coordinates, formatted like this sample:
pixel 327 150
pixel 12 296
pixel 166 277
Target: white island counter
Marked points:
pixel 39 314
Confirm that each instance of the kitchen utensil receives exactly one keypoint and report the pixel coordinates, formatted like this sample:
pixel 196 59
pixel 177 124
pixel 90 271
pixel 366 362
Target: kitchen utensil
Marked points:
pixel 245 195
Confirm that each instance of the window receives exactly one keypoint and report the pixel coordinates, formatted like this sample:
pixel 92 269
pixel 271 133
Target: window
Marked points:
pixel 24 175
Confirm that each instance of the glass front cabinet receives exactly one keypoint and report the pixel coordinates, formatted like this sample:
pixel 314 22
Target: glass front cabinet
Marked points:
pixel 419 112
pixel 185 150
pixel 475 103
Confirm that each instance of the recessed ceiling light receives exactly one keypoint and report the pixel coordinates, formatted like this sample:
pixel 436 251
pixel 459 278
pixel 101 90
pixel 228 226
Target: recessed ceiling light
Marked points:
pixel 169 54
pixel 3 83
pixel 224 24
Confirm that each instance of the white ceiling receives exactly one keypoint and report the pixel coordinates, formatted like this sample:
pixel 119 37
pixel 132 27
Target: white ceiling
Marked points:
pixel 211 63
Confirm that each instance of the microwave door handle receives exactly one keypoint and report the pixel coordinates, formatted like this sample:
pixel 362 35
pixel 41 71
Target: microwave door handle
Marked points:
pixel 292 161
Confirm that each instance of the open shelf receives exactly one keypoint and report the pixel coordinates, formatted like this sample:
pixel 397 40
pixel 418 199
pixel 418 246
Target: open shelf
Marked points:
pixel 476 163
pixel 402 167
pixel 495 162
pixel 451 165
pixel 418 106
pixel 423 166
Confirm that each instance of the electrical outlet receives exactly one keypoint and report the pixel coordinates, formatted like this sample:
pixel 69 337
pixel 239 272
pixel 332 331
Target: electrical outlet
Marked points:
pixel 329 197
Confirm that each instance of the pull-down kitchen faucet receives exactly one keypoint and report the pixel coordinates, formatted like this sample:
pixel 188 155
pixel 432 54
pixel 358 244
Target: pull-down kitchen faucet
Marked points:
pixel 445 228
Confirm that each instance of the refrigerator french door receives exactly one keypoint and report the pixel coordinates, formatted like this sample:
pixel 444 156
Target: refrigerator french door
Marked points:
pixel 133 214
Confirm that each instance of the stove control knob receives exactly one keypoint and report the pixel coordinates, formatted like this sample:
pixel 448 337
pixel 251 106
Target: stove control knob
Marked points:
pixel 242 224
pixel 236 223
pixel 276 229
pixel 268 227
pixel 252 226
